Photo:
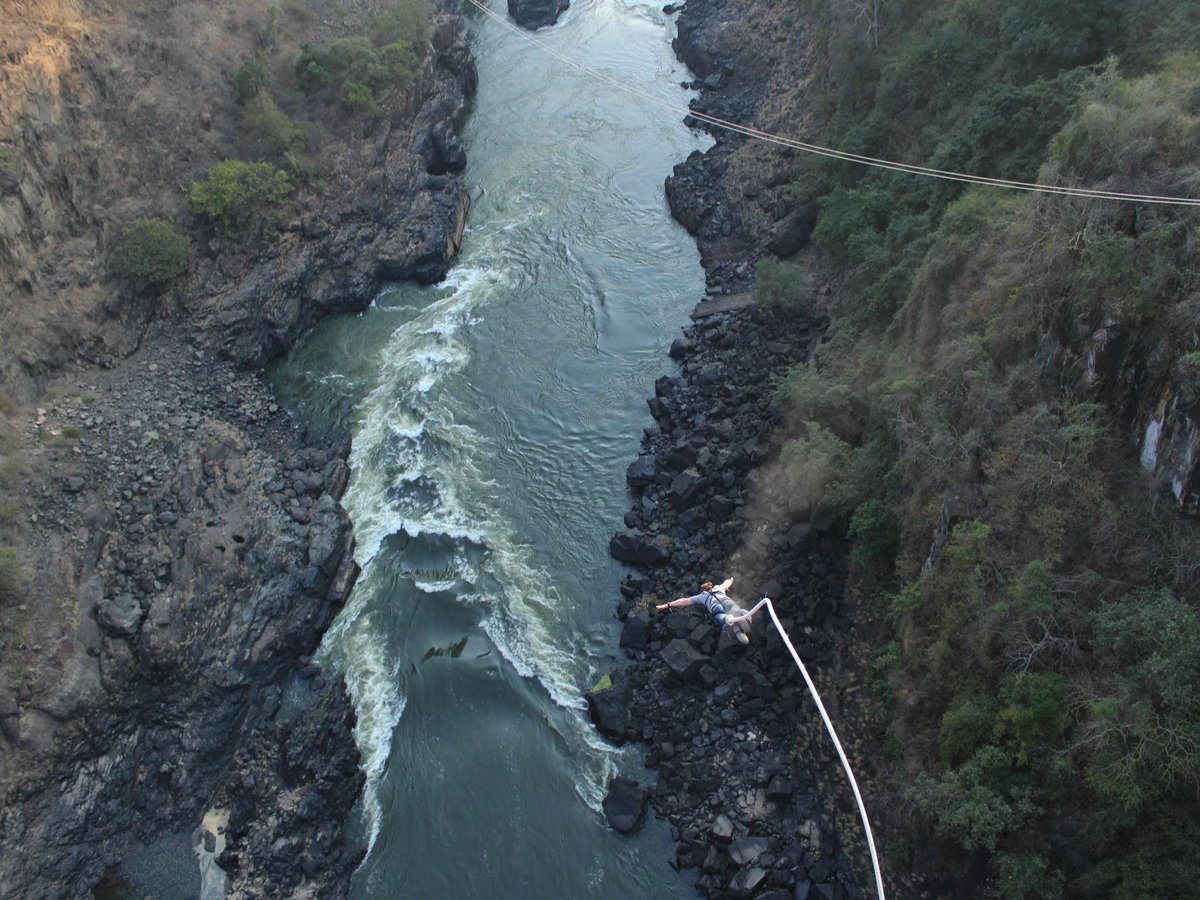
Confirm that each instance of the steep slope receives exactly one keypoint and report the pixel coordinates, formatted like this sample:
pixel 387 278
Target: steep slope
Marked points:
pixel 1001 416
pixel 171 546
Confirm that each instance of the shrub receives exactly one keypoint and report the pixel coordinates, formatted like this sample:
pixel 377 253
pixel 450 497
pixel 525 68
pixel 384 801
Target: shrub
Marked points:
pixel 1034 712
pixel 312 70
pixel 808 395
pixel 268 132
pixel 404 22
pixel 400 59
pixel 875 531
pixel 354 59
pixel 243 198
pixel 978 803
pixel 357 98
pixel 152 254
pixel 782 285
pixel 966 726
pixel 1143 733
pixel 250 79
pixel 12 575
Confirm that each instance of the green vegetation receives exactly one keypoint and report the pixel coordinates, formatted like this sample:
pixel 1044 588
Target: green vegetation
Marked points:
pixel 782 285
pixel 360 70
pixel 152 254
pixel 268 133
pixel 250 80
pixel 1037 603
pixel 12 575
pixel 245 199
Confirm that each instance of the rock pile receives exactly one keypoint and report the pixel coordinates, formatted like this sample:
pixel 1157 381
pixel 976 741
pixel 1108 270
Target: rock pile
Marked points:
pixel 726 725
pixel 722 722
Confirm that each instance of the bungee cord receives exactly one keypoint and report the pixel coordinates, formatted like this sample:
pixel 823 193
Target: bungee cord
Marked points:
pixel 812 689
pixel 830 152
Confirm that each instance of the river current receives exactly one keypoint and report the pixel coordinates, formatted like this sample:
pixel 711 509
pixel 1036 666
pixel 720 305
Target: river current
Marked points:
pixel 492 419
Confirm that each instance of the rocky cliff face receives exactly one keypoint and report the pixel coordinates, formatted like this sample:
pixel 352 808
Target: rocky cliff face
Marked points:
pixel 181 541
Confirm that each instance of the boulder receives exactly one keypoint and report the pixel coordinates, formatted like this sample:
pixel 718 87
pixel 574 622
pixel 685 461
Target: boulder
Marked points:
pixel 624 804
pixel 721 831
pixel 683 659
pixel 609 711
pixel 693 519
pixel 746 881
pixel 633 550
pixel 684 488
pixel 636 632
pixel 535 14
pixel 641 472
pixel 780 790
pixel 721 508
pixel 793 231
pixel 748 850
pixel 120 616
pixel 679 458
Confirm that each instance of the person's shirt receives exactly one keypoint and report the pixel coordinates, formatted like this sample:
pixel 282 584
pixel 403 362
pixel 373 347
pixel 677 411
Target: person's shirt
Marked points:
pixel 713 601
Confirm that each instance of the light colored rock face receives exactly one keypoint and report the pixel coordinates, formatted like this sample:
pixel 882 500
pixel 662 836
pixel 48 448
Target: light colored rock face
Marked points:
pixel 1170 449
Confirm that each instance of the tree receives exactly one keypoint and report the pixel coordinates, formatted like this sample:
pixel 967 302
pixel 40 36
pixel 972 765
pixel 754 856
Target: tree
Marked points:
pixel 250 79
pixel 152 254
pixel 1142 736
pixel 242 197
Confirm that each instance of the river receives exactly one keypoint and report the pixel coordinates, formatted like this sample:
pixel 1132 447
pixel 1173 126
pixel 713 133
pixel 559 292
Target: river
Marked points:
pixel 492 419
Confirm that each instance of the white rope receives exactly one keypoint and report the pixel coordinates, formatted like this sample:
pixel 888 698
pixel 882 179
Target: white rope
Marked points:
pixel 812 689
pixel 830 152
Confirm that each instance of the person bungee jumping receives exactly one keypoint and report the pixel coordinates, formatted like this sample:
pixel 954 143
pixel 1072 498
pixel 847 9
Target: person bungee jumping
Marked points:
pixel 716 601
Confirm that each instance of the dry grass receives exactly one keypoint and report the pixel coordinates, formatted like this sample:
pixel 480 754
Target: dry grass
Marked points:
pixel 41 35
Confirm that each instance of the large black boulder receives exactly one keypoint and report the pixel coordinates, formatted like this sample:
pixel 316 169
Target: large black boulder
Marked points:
pixel 683 659
pixel 627 548
pixel 636 632
pixel 609 711
pixel 534 14
pixel 793 231
pixel 641 472
pixel 625 803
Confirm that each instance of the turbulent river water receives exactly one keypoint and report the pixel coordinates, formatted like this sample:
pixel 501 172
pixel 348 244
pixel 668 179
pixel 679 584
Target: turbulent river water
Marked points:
pixel 492 418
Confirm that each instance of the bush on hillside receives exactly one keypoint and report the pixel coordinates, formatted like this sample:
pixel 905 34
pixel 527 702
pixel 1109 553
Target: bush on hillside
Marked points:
pixel 250 80
pixel 243 198
pixel 152 254
pixel 782 285
pixel 12 575
pixel 267 132
pixel 359 69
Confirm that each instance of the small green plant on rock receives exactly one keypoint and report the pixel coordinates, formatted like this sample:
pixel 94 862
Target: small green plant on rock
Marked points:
pixel 152 254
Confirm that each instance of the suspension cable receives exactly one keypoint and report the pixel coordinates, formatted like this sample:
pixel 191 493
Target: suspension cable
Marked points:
pixel 830 152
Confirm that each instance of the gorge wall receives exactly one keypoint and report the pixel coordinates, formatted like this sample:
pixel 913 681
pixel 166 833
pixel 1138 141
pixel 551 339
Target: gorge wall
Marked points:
pixel 175 545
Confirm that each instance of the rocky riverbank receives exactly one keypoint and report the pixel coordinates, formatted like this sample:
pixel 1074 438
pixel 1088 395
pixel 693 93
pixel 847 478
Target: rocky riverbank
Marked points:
pixel 741 773
pixel 184 548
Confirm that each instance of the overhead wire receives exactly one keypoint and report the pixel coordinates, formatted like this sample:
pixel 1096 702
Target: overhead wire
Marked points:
pixel 830 152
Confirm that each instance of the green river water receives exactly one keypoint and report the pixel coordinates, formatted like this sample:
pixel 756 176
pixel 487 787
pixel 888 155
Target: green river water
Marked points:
pixel 492 418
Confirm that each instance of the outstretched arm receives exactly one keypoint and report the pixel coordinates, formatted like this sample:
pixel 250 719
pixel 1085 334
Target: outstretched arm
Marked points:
pixel 682 601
